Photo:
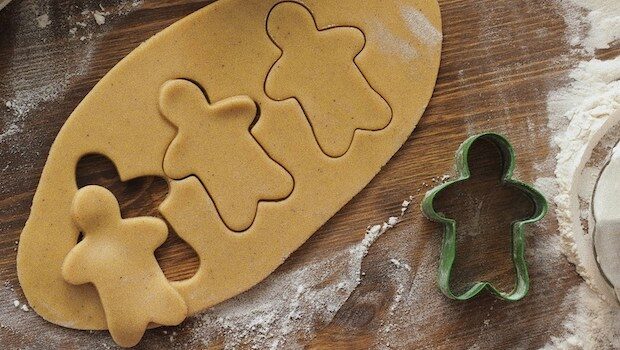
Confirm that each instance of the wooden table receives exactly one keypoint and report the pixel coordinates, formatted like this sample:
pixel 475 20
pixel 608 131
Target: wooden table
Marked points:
pixel 500 60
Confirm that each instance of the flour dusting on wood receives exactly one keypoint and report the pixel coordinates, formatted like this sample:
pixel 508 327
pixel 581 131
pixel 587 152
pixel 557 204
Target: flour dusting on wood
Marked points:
pixel 580 113
pixel 36 78
pixel 287 307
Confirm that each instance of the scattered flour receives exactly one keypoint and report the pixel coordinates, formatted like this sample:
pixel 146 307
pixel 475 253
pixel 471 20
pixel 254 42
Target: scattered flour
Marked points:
pixel 9 131
pixel 24 91
pixel 593 325
pixel 600 18
pixel 400 265
pixel 55 76
pixel 603 21
pixel 292 302
pixel 24 307
pixel 581 113
pixel 418 24
pixel 43 21
pixel 391 43
pixel 100 17
pixel 402 47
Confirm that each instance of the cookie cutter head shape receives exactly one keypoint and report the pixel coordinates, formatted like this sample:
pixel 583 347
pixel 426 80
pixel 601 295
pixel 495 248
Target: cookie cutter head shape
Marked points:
pixel 448 250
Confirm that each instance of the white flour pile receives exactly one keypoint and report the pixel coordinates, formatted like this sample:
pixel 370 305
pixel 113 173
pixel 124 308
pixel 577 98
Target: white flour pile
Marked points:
pixel 580 114
pixel 604 26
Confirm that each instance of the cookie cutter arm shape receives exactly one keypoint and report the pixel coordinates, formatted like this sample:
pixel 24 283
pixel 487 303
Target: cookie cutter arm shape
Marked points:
pixel 448 249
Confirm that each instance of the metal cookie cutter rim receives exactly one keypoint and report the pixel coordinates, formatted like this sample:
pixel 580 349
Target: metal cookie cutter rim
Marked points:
pixel 448 250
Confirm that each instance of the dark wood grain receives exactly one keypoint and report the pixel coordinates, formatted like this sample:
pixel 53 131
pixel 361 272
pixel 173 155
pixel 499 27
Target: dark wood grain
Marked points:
pixel 500 60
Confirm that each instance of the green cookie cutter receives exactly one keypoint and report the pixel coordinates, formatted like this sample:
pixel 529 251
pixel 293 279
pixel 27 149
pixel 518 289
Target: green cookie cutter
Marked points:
pixel 448 250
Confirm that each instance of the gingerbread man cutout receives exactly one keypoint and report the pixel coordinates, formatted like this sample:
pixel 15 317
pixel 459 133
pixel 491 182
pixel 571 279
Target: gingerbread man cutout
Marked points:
pixel 215 144
pixel 317 68
pixel 117 257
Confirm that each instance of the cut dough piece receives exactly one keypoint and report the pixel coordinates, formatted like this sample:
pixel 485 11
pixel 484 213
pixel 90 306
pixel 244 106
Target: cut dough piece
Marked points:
pixel 214 143
pixel 117 257
pixel 226 50
pixel 317 68
pixel 606 212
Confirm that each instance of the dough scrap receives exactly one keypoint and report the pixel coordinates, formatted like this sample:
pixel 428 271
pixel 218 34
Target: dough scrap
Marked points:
pixel 117 257
pixel 317 68
pixel 214 143
pixel 226 50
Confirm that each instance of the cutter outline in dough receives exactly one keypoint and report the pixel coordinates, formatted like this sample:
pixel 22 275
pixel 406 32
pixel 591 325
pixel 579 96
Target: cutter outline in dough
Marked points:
pixel 448 249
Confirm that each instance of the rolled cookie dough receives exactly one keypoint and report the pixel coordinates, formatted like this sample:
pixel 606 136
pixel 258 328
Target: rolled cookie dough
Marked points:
pixel 225 50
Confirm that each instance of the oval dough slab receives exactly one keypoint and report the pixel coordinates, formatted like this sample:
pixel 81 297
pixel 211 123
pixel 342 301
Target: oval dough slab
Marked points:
pixel 226 50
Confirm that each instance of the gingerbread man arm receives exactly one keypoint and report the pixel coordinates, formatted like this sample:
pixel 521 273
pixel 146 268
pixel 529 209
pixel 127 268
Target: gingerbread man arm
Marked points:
pixel 237 107
pixel 74 267
pixel 176 100
pixel 348 41
pixel 147 232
